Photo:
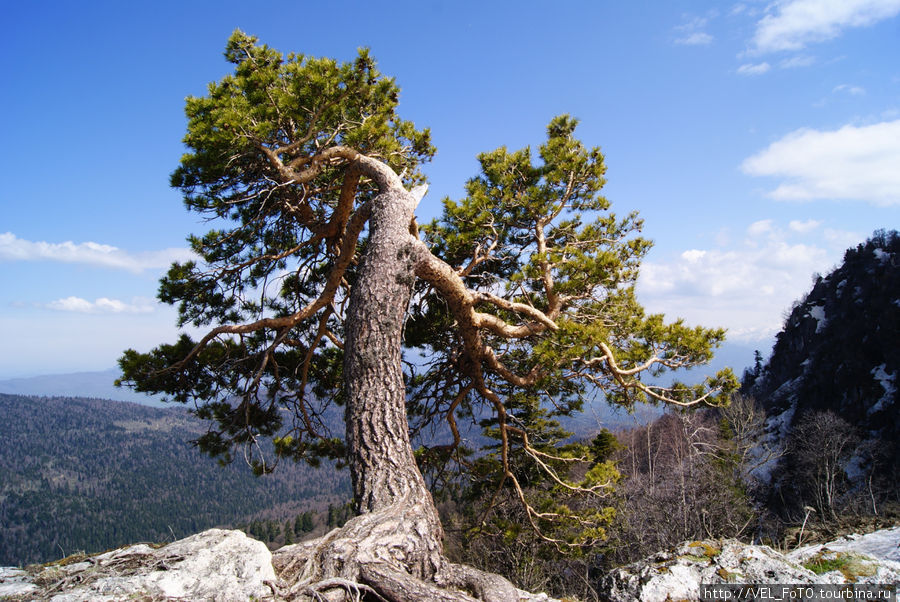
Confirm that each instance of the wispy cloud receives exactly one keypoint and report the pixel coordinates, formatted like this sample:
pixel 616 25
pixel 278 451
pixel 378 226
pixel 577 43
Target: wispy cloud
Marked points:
pixel 698 38
pixel 804 226
pixel 796 62
pixel 795 24
pixel 848 89
pixel 103 306
pixel 753 69
pixel 13 248
pixel 692 32
pixel 744 286
pixel 857 163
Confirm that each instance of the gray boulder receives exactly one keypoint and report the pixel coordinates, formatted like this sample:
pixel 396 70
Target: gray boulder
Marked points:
pixel 214 565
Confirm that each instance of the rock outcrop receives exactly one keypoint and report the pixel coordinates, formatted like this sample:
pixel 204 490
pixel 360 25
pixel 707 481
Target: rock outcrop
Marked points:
pixel 679 574
pixel 213 565
pixel 224 566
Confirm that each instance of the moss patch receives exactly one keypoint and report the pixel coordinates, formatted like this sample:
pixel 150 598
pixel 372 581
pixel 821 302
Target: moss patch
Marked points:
pixel 850 566
pixel 694 558
pixel 709 550
pixel 729 576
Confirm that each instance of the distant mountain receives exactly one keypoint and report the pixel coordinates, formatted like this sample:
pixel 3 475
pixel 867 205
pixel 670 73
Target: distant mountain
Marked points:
pixel 840 346
pixel 78 384
pixel 99 385
pixel 838 356
pixel 89 475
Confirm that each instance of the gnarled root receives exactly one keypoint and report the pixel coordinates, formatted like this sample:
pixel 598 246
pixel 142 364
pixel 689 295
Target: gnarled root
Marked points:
pixel 391 555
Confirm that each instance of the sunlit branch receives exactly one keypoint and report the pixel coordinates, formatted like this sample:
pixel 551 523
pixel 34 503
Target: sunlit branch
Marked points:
pixel 520 308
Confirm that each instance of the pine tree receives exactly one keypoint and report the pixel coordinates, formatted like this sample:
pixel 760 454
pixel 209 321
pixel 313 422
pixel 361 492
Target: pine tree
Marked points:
pixel 316 275
pixel 288 532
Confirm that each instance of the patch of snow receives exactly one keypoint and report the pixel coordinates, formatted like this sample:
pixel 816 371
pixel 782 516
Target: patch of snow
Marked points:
pixel 818 312
pixel 777 426
pixel 881 545
pixel 877 553
pixel 787 390
pixel 776 430
pixel 886 380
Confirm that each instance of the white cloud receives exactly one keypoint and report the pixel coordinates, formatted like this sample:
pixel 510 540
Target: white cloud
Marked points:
pixel 698 38
pixel 795 62
pixel 691 32
pixel 758 228
pixel 693 255
pixel 842 239
pixel 851 90
pixel 852 163
pixel 751 69
pixel 103 306
pixel 804 227
pixel 13 248
pixel 797 23
pixel 744 287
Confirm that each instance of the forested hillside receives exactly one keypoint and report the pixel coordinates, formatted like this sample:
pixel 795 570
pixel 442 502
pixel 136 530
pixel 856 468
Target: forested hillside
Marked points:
pixel 840 346
pixel 88 474
pixel 830 389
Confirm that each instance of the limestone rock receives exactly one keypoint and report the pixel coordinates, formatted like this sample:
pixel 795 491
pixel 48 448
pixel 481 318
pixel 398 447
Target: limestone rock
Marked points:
pixel 213 565
pixel 14 583
pixel 871 558
pixel 678 574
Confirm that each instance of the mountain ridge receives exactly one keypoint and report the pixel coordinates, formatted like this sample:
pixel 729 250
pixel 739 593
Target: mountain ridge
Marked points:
pixel 96 384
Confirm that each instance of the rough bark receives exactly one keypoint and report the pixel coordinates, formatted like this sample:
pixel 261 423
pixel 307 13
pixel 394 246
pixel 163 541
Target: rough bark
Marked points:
pixel 382 466
pixel 394 547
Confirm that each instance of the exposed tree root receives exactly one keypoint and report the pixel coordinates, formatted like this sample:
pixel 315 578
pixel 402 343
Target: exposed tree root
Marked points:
pixel 387 555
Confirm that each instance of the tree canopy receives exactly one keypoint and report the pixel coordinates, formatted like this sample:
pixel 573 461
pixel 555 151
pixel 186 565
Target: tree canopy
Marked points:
pixel 516 303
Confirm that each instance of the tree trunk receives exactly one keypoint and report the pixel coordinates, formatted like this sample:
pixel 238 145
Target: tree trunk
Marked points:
pixel 394 547
pixel 382 466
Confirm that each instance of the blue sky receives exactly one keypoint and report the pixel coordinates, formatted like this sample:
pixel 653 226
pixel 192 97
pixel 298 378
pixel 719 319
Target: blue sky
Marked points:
pixel 757 139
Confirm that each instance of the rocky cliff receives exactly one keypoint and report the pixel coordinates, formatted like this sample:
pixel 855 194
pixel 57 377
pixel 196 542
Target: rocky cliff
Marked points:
pixel 840 346
pixel 830 389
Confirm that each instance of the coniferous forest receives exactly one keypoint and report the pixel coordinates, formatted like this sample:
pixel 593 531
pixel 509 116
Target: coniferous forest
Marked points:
pixel 90 475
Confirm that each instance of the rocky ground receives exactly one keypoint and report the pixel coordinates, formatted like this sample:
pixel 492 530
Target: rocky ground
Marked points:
pixel 227 565
pixel 678 574
pixel 212 565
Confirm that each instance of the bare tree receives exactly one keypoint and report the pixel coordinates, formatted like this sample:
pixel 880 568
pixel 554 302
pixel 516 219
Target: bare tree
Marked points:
pixel 679 482
pixel 819 449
